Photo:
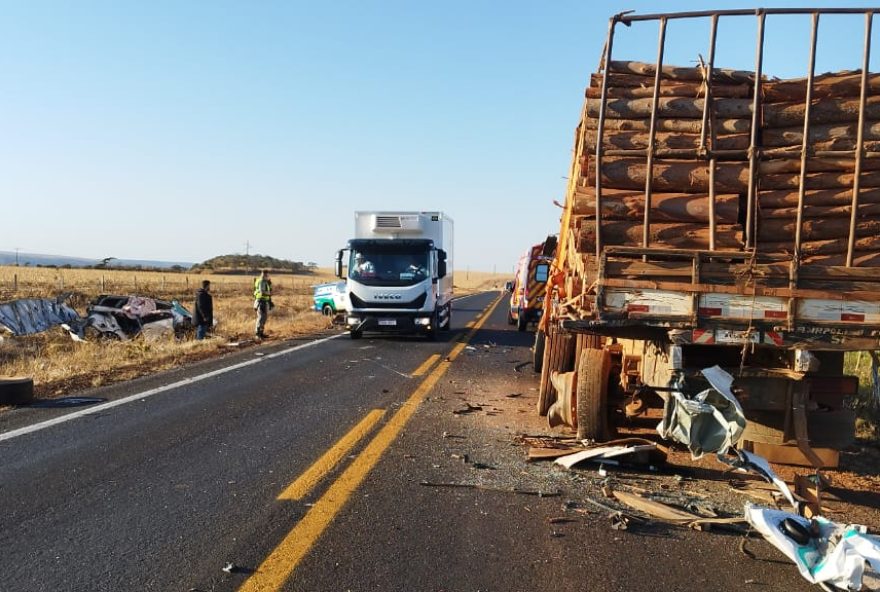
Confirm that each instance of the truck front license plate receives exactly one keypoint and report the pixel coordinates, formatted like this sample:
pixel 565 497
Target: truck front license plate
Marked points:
pixel 388 322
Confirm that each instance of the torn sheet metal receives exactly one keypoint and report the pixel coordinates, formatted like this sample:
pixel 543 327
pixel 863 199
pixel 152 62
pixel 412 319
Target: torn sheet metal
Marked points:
pixel 828 552
pixel 27 316
pixel 712 421
pixel 749 461
pixel 603 453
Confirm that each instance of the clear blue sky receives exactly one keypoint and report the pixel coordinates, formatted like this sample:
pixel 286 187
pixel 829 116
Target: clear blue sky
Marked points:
pixel 180 130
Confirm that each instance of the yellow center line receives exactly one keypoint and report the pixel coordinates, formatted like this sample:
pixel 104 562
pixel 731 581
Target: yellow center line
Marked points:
pixel 277 567
pixel 313 475
pixel 426 366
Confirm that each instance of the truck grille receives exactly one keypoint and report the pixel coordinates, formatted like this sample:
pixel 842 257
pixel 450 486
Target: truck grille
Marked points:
pixel 414 304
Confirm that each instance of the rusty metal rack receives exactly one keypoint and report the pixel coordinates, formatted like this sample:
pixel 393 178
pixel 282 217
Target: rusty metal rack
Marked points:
pixel 754 150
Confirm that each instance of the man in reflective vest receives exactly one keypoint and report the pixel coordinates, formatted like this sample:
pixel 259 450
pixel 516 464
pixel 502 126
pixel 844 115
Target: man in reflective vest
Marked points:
pixel 262 301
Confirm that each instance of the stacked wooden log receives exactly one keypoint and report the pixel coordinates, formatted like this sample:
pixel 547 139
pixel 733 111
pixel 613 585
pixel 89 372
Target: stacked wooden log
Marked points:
pixel 680 178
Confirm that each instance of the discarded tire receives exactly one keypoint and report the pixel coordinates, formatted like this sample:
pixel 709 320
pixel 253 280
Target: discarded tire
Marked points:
pixel 16 390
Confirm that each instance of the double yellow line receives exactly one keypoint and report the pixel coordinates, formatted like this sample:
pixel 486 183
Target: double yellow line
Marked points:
pixel 271 575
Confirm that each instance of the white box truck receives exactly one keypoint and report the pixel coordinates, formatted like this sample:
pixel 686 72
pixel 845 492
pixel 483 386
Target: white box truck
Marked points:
pixel 399 273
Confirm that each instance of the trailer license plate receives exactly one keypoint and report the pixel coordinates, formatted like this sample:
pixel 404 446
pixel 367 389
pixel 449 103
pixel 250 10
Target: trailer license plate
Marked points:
pixel 388 322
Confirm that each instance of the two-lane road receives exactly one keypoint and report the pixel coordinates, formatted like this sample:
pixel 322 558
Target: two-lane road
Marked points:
pixel 158 493
pixel 330 465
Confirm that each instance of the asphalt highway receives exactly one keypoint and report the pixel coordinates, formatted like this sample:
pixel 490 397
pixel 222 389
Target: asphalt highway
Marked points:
pixel 327 464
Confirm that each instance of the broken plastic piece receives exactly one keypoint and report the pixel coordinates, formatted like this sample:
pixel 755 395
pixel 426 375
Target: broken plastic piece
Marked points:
pixel 834 553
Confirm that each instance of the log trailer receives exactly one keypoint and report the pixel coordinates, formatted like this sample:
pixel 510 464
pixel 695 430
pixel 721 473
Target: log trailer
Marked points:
pixel 718 216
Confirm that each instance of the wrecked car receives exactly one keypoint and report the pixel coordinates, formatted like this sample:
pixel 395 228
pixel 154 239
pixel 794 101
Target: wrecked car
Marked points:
pixel 124 317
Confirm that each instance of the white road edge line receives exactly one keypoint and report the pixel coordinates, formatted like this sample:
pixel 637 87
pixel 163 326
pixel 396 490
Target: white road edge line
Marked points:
pixel 140 396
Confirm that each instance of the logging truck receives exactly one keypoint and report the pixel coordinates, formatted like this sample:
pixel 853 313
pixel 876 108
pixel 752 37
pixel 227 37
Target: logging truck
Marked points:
pixel 718 217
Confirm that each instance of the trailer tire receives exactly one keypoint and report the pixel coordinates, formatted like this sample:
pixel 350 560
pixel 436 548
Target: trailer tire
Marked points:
pixel 521 322
pixel 356 334
pixel 538 351
pixel 16 390
pixel 558 356
pixel 594 368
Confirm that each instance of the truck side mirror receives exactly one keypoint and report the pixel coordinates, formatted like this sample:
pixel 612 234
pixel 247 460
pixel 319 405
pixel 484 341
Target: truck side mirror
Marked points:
pixel 441 255
pixel 338 264
pixel 441 269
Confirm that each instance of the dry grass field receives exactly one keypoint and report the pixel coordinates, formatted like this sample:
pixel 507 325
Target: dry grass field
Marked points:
pixel 61 366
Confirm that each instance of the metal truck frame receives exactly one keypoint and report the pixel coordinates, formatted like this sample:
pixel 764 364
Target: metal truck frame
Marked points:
pixel 634 321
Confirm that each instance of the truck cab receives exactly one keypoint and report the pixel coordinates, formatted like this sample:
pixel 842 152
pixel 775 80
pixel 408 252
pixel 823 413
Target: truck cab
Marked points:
pixel 397 281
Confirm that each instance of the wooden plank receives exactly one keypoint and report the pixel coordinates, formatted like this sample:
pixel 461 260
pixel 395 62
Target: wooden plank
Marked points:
pixel 790 455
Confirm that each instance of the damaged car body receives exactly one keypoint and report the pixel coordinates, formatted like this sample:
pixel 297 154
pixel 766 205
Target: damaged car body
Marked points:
pixel 125 317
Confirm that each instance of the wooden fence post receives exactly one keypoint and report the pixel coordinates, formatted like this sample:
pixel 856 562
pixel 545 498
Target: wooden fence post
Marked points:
pixel 135 278
pixel 103 289
pixel 15 282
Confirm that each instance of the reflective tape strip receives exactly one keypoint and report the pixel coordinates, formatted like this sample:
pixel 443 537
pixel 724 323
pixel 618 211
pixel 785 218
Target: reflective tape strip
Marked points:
pixel 705 336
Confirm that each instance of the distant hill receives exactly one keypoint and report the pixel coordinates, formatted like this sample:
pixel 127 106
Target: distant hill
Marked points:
pixel 42 260
pixel 250 264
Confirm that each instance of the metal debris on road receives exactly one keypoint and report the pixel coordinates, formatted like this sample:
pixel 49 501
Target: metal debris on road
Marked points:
pixel 536 493
pixel 467 409
pixel 66 402
pixel 603 454
pixel 520 366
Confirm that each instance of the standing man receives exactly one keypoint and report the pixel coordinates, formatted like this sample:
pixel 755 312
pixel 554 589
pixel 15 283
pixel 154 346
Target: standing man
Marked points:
pixel 203 314
pixel 262 301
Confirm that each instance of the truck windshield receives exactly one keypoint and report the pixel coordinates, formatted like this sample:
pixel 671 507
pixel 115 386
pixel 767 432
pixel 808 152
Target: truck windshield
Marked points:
pixel 387 266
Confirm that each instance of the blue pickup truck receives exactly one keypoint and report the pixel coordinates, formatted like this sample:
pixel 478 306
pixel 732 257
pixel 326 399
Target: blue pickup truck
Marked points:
pixel 329 298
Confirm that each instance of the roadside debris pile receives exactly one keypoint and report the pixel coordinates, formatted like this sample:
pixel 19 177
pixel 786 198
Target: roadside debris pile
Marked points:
pixel 27 316
pixel 825 552
pixel 108 316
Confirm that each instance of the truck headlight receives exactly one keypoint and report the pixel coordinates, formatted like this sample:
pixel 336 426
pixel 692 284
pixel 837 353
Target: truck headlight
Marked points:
pixel 353 321
pixel 424 321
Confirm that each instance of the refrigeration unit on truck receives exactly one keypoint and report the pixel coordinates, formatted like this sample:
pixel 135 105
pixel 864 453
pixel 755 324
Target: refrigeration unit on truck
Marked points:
pixel 530 284
pixel 399 273
pixel 718 217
